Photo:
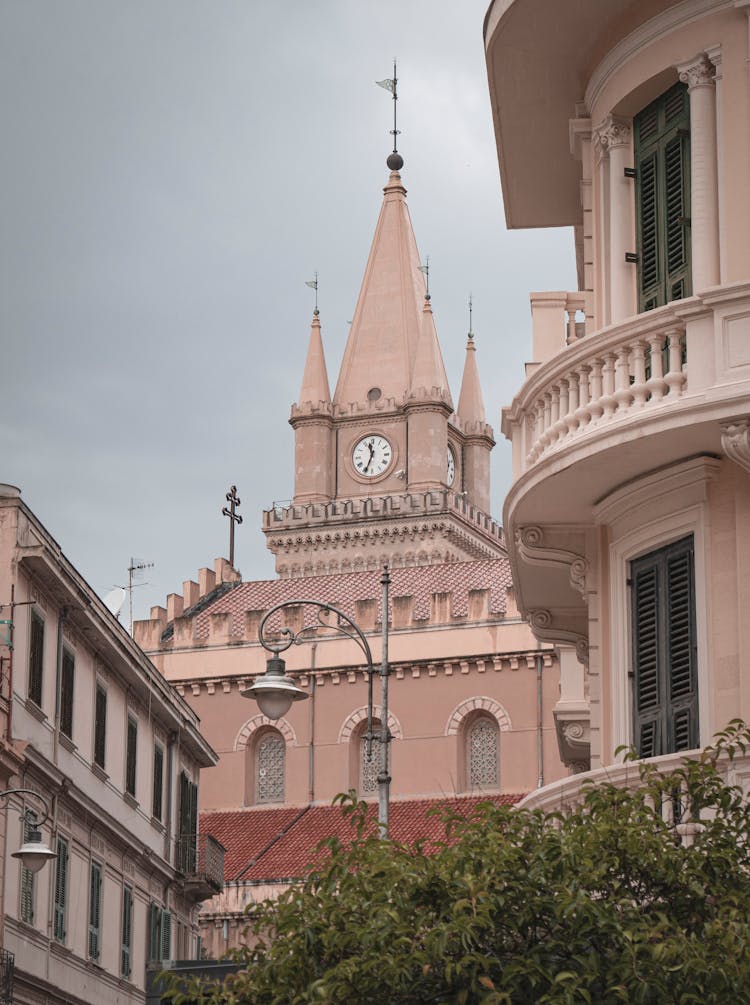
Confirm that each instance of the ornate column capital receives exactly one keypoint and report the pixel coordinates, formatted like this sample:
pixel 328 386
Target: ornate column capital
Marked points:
pixel 698 72
pixel 613 132
pixel 735 441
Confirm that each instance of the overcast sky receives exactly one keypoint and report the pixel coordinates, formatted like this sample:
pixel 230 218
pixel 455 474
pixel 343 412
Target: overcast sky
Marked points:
pixel 173 171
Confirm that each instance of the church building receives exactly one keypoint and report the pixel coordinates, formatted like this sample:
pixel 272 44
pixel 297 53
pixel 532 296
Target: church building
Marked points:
pixel 388 471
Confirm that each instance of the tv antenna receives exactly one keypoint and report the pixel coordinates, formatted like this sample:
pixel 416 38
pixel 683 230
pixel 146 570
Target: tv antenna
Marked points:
pixel 135 572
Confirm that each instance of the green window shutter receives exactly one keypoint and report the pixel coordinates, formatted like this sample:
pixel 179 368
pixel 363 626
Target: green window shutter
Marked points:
pixel 154 931
pixel 61 889
pixel 127 930
pixel 156 808
pixel 26 900
pixel 100 726
pixel 131 756
pixel 662 191
pixel 665 691
pixel 188 822
pixel 95 910
pixel 36 659
pixel 66 694
pixel 165 948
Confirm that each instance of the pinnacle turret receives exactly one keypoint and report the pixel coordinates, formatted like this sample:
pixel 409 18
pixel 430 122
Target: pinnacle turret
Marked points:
pixel 429 370
pixel 470 402
pixel 315 386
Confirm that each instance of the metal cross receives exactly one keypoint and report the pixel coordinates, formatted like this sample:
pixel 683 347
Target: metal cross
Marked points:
pixel 234 501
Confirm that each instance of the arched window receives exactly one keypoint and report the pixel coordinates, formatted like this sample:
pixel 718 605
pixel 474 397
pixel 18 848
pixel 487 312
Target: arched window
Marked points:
pixel 482 735
pixel 270 767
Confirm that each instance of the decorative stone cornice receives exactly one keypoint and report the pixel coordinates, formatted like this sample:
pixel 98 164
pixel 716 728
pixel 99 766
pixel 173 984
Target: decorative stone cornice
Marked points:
pixel 698 72
pixel 735 441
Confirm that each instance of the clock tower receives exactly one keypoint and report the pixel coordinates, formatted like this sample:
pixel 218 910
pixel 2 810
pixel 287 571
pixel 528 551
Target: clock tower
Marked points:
pixel 386 470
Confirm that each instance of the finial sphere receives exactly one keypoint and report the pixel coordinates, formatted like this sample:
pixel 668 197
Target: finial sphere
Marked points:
pixel 395 161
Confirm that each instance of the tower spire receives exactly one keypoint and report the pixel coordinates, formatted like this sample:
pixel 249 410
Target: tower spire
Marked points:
pixel 429 375
pixel 315 387
pixel 470 401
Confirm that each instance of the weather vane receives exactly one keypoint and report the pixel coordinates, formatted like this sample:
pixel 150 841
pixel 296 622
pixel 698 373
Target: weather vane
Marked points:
pixel 313 284
pixel 426 270
pixel 395 161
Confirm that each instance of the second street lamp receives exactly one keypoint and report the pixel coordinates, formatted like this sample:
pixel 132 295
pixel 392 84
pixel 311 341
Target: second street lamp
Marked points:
pixel 275 691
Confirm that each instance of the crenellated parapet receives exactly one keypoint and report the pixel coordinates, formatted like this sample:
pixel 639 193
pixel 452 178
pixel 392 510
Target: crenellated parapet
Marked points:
pixel 408 529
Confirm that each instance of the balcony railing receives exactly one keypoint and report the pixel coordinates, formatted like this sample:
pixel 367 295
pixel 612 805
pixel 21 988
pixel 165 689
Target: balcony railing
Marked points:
pixel 201 861
pixel 597 381
pixel 7 964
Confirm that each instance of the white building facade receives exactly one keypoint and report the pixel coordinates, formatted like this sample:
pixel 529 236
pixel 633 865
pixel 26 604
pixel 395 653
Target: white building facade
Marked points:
pixel 116 755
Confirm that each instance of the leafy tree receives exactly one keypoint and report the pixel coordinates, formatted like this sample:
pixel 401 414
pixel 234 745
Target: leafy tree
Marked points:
pixel 639 895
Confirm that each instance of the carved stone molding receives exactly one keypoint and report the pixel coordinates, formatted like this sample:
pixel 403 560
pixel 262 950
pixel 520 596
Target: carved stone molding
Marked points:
pixel 572 723
pixel 478 704
pixel 360 715
pixel 735 441
pixel 531 547
pixel 699 72
pixel 258 722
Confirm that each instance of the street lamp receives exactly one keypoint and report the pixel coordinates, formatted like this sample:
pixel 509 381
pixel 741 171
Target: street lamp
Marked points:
pixel 33 853
pixel 275 691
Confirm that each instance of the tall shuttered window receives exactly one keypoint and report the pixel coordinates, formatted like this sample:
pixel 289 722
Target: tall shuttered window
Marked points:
pixel 61 889
pixel 95 910
pixel 127 931
pixel 159 933
pixel 156 805
pixel 100 725
pixel 67 682
pixel 188 821
pixel 665 685
pixel 131 749
pixel 26 901
pixel 662 188
pixel 36 659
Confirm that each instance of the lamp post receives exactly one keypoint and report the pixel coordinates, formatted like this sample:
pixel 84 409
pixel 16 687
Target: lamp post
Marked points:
pixel 33 853
pixel 275 691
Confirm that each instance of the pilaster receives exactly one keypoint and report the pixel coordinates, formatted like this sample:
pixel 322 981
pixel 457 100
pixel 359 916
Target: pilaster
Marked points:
pixel 614 136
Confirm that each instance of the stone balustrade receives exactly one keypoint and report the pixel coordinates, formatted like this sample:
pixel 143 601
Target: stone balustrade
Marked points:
pixel 596 382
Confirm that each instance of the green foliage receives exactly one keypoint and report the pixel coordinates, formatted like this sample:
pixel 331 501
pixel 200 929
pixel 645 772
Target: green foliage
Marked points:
pixel 606 904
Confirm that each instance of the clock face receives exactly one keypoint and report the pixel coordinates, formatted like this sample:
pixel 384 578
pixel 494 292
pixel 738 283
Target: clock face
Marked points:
pixel 450 473
pixel 371 456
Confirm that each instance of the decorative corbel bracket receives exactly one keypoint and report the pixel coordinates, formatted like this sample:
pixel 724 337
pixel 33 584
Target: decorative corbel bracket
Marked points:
pixel 735 441
pixel 532 549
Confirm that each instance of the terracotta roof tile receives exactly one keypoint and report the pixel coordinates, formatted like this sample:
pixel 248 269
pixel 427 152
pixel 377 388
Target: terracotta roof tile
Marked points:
pixel 345 589
pixel 267 845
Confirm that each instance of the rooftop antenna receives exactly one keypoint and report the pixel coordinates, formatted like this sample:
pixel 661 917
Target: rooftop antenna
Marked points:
pixel 135 572
pixel 313 284
pixel 395 161
pixel 471 332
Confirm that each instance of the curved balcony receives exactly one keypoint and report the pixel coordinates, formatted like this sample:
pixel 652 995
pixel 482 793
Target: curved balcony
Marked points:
pixel 567 794
pixel 613 405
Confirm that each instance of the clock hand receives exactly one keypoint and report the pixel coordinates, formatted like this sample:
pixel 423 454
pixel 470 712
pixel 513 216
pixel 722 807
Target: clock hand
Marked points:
pixel 369 460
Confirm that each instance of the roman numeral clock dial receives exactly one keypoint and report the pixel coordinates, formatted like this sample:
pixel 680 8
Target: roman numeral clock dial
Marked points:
pixel 372 456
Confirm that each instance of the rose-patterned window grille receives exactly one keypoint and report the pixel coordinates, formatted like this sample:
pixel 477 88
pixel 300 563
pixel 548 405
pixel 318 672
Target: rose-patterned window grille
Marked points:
pixel 270 760
pixel 481 741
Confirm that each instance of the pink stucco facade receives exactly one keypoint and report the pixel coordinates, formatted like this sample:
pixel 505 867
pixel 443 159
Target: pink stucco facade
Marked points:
pixel 630 432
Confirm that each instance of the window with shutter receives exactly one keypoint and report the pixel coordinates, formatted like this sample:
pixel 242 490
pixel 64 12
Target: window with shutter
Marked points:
pixel 665 686
pixel 130 756
pixel 36 659
pixel 156 807
pixel 188 819
pixel 154 931
pixel 67 682
pixel 127 930
pixel 662 190
pixel 95 910
pixel 165 948
pixel 100 725
pixel 61 889
pixel 26 899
